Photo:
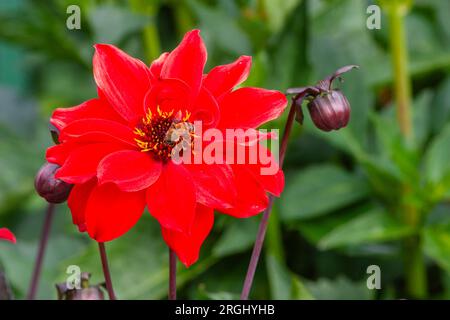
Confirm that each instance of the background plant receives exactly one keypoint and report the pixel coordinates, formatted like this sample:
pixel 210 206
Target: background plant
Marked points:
pixel 341 210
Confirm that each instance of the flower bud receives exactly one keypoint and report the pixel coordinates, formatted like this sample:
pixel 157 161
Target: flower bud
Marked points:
pixel 328 107
pixel 47 186
pixel 84 292
pixel 330 110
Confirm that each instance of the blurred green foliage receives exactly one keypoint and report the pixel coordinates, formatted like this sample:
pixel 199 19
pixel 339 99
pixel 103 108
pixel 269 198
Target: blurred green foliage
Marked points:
pixel 339 212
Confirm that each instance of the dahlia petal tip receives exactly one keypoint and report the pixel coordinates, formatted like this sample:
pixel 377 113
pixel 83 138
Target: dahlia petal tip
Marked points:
pixel 99 46
pixel 195 32
pixel 193 35
pixel 6 234
pixel 187 264
pixel 82 227
pixel 244 58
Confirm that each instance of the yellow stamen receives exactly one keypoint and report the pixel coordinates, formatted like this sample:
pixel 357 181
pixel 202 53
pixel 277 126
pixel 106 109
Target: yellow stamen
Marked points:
pixel 139 132
pixel 187 116
pixel 148 116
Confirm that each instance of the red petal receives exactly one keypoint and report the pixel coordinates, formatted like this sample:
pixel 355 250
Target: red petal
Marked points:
pixel 205 109
pixel 7 235
pixel 168 95
pixel 60 152
pixel 251 197
pixel 239 147
pixel 129 170
pixel 77 201
pixel 81 165
pixel 250 107
pixel 156 66
pixel 187 247
pixel 222 79
pixel 117 132
pixel 267 171
pixel 171 199
pixel 215 184
pixel 186 62
pixel 123 80
pixel 95 108
pixel 110 212
pixel 273 183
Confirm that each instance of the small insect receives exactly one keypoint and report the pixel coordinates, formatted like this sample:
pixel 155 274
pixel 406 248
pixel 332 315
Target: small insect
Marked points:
pixel 180 133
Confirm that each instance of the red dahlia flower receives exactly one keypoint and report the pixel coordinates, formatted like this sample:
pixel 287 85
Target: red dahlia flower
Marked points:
pixel 115 151
pixel 7 235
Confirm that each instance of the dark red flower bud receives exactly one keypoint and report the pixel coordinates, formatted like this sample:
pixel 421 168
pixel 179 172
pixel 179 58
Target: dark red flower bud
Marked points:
pixel 328 107
pixel 48 187
pixel 330 111
pixel 86 292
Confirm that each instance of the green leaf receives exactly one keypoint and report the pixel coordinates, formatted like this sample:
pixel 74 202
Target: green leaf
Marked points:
pixel 319 190
pixel 437 244
pixel 421 117
pixel 340 288
pixel 239 236
pixel 277 12
pixel 220 295
pixel 440 111
pixel 384 177
pixel 279 279
pixel 299 290
pixel 375 225
pixel 436 159
pixel 284 284
pixel 315 229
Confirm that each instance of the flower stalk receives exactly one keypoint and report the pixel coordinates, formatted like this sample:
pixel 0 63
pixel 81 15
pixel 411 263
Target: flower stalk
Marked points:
pixel 265 218
pixel 415 270
pixel 396 13
pixel 329 110
pixel 172 275
pixel 106 272
pixel 41 252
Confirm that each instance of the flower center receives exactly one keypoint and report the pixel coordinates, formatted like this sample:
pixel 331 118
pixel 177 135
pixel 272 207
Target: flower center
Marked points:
pixel 164 133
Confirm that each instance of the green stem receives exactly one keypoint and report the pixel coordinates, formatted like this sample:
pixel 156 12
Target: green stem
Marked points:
pixel 399 52
pixel 274 239
pixel 415 270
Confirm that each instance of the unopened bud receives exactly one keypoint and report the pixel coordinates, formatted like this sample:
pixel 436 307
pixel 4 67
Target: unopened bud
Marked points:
pixel 86 292
pixel 50 188
pixel 330 111
pixel 328 107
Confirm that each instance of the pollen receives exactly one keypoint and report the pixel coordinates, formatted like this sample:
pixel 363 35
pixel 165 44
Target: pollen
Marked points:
pixel 162 132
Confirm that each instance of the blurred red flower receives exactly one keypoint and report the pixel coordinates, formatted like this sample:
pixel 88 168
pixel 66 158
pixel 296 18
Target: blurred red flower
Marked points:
pixel 115 150
pixel 7 235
